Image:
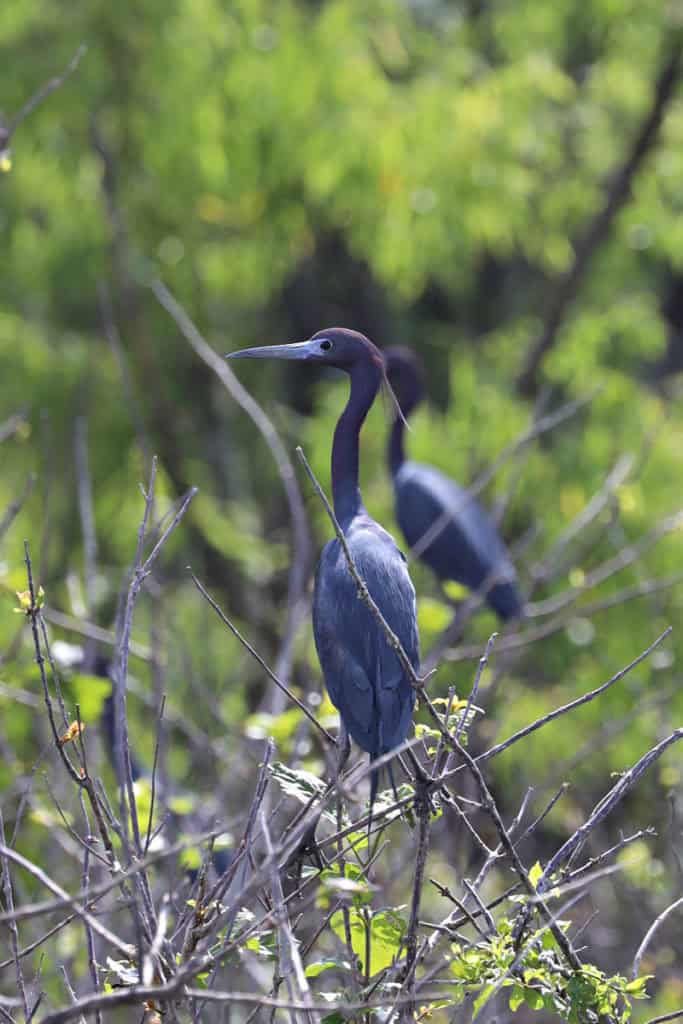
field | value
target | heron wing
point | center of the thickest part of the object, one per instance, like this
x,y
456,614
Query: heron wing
x,y
469,549
364,678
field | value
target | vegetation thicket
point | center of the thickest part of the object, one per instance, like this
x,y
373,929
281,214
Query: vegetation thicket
x,y
497,186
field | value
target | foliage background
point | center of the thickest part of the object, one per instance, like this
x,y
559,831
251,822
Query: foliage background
x,y
418,171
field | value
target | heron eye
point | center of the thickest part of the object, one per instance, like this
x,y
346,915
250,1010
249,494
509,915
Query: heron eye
x,y
326,345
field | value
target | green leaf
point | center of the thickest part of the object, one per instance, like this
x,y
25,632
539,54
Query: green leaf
x,y
263,945
317,968
90,693
432,615
182,803
282,728
533,998
535,874
516,998
358,889
637,987
387,929
300,784
191,858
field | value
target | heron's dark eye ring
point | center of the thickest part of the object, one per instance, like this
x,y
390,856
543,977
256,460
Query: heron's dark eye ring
x,y
326,345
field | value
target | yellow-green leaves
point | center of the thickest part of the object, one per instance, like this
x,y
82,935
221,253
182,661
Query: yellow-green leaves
x,y
26,607
384,929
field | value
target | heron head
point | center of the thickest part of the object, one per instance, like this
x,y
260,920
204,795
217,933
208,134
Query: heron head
x,y
334,346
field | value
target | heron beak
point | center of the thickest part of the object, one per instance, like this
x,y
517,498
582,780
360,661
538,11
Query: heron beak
x,y
297,350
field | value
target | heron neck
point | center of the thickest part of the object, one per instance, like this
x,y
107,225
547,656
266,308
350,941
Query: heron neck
x,y
365,381
395,450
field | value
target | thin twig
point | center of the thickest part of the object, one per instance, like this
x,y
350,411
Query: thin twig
x,y
291,968
65,900
490,805
650,933
665,1017
8,130
586,698
254,653
301,544
537,428
152,799
15,507
141,571
94,893
606,806
423,815
13,931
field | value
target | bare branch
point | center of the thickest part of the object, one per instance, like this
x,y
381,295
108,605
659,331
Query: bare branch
x,y
301,545
665,1017
8,129
423,814
508,846
291,967
15,507
254,653
650,934
44,879
13,931
606,806
140,572
565,708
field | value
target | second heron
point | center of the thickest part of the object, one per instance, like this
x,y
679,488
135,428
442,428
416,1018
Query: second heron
x,y
447,528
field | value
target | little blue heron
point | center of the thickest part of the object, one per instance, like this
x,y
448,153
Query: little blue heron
x,y
468,547
363,675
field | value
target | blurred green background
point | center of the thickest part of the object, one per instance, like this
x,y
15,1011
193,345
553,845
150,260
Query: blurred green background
x,y
420,171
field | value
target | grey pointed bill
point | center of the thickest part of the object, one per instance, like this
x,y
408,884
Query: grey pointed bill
x,y
299,350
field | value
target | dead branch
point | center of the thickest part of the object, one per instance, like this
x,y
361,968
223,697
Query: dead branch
x,y
8,128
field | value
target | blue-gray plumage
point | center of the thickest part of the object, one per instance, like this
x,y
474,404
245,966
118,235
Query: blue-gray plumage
x,y
468,549
364,678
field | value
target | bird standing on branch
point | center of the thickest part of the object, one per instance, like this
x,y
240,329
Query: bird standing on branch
x,y
449,530
364,677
